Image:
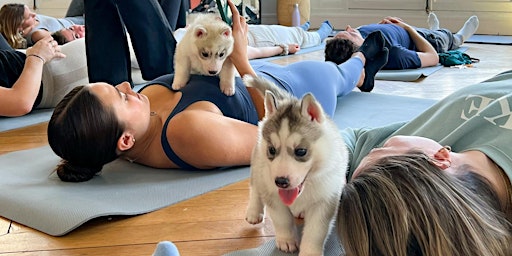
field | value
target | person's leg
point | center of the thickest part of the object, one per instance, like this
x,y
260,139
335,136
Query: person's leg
x,y
175,12
305,26
108,57
151,36
376,55
433,21
75,8
325,30
469,28
61,76
314,38
442,40
325,80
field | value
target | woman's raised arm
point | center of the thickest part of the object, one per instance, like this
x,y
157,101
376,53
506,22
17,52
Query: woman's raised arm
x,y
239,55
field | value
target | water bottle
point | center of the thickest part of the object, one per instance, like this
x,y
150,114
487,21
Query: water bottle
x,y
296,16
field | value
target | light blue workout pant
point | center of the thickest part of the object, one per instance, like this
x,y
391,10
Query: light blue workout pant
x,y
325,80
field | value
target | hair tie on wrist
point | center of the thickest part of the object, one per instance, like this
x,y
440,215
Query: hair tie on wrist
x,y
37,56
285,49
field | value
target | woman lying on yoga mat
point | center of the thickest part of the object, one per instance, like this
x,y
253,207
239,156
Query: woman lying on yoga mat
x,y
40,77
22,27
21,74
75,32
197,127
437,185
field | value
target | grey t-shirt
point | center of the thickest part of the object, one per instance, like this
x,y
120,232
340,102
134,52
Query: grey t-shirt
x,y
477,117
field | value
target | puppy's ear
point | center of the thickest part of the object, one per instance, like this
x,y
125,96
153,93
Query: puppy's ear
x,y
270,103
311,108
200,31
226,32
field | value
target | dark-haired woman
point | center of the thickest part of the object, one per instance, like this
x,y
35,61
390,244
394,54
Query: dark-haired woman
x,y
197,127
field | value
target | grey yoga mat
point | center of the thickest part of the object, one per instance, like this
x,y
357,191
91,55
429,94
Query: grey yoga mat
x,y
32,195
410,75
490,39
35,117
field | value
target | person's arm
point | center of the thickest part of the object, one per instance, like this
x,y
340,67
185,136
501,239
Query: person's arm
x,y
223,141
19,99
239,55
269,51
426,52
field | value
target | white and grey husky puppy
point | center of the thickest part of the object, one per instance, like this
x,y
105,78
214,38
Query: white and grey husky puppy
x,y
298,169
204,50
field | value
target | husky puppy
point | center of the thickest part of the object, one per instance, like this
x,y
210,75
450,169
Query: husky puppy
x,y
298,169
204,50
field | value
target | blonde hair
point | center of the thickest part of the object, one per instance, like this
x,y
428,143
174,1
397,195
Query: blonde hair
x,y
404,205
11,19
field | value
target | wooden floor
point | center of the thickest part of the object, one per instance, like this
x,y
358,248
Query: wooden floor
x,y
211,224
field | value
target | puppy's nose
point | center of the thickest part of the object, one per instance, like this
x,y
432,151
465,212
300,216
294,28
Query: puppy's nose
x,y
282,182
212,72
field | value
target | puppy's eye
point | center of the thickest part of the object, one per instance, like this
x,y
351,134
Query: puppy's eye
x,y
272,151
205,54
221,54
300,152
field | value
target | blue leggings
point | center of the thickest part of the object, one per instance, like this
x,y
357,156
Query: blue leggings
x,y
324,79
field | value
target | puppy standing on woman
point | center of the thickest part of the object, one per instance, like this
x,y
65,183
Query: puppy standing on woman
x,y
204,50
298,169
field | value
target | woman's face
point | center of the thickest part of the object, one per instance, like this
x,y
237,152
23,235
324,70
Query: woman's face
x,y
29,20
131,108
399,145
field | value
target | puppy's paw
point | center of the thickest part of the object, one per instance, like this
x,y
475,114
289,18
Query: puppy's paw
x,y
180,80
177,86
287,244
227,87
254,216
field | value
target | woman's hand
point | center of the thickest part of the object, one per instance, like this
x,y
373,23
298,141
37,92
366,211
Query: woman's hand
x,y
239,54
46,48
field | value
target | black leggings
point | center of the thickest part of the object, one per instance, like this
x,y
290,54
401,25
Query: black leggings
x,y
108,57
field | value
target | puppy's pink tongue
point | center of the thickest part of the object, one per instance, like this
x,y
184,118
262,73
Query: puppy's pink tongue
x,y
288,195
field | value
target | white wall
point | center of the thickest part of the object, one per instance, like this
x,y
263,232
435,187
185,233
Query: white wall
x,y
495,16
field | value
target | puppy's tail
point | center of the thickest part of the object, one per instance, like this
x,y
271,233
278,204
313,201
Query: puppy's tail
x,y
262,85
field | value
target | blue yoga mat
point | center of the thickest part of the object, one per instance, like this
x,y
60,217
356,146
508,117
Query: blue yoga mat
x,y
490,39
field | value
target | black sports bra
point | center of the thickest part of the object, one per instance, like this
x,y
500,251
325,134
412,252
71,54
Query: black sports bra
x,y
206,88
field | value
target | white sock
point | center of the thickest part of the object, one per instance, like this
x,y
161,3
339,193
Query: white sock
x,y
433,21
469,28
